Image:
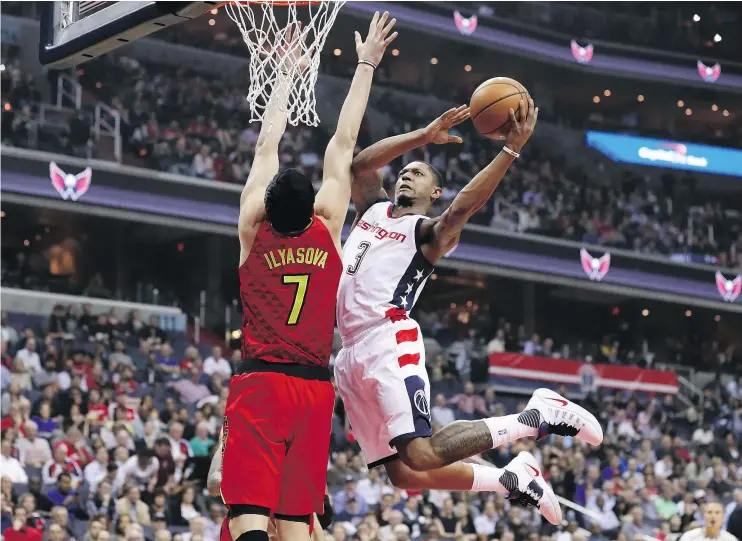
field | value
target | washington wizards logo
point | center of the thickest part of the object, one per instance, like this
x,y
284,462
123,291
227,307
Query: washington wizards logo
x,y
582,54
464,25
728,289
709,73
595,268
70,186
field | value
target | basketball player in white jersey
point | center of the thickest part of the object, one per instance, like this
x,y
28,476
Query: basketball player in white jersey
x,y
380,371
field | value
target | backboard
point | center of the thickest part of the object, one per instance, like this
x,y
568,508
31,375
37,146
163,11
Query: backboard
x,y
75,31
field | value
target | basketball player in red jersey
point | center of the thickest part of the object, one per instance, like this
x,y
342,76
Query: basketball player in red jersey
x,y
277,421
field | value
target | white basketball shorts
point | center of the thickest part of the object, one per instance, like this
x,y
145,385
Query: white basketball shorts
x,y
382,379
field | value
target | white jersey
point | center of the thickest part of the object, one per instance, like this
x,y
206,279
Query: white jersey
x,y
383,269
699,534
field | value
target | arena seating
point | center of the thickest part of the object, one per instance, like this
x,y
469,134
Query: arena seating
x,y
184,123
107,387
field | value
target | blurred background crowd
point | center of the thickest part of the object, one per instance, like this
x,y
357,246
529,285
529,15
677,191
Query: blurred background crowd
x,y
110,417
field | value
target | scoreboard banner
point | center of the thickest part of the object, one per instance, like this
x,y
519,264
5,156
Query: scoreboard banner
x,y
667,154
530,371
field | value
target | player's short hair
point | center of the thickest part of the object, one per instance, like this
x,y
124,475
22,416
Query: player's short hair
x,y
289,201
437,175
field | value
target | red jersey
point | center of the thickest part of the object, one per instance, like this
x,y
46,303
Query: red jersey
x,y
288,288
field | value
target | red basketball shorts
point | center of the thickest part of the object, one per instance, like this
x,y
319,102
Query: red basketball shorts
x,y
276,442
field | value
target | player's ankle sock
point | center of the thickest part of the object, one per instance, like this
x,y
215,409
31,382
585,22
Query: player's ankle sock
x,y
510,428
487,479
253,535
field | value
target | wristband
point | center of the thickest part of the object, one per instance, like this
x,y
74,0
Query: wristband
x,y
513,153
368,63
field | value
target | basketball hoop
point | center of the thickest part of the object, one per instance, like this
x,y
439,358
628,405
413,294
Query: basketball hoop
x,y
265,38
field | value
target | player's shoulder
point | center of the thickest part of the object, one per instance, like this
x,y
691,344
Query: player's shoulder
x,y
380,204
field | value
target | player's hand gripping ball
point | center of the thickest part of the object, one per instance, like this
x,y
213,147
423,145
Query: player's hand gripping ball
x,y
491,103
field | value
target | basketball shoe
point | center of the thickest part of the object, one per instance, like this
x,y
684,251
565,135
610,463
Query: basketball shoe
x,y
525,484
551,413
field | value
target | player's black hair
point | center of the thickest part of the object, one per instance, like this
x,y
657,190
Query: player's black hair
x,y
439,179
289,201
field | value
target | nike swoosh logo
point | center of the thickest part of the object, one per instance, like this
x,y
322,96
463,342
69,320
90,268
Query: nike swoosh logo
x,y
560,400
535,471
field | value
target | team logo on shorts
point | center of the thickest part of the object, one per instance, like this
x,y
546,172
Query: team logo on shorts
x,y
421,402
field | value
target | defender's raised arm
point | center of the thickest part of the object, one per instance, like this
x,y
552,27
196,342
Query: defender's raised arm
x,y
334,196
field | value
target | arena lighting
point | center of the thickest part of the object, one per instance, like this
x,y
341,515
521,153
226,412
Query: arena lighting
x,y
696,18
7,107
725,113
596,99
681,103
717,38
2,67
640,98
467,68
236,334
688,313
688,111
212,22
714,107
645,312
607,93
2,214
453,305
434,61
395,52
337,52
98,85
717,318
433,276
214,11
26,243
37,237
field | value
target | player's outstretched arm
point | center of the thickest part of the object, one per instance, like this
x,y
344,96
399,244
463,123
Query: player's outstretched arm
x,y
334,196
367,186
441,234
265,163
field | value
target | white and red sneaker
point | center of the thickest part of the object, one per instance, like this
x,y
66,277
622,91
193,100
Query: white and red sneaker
x,y
551,413
525,483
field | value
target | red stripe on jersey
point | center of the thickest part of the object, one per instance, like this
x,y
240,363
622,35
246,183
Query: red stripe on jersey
x,y
396,314
410,358
409,335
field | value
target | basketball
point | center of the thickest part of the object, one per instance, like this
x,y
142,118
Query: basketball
x,y
491,103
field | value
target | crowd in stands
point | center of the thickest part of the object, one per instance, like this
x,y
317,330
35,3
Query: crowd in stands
x,y
188,123
109,424
200,128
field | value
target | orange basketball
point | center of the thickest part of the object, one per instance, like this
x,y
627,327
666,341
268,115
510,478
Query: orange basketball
x,y
491,103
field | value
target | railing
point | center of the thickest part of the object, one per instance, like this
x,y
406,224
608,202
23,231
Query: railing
x,y
69,92
108,123
687,391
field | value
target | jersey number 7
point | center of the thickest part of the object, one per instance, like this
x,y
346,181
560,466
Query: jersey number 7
x,y
301,281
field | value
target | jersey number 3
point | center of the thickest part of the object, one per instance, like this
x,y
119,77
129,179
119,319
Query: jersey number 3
x,y
301,281
362,249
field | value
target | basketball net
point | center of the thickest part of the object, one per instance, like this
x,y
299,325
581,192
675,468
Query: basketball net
x,y
266,40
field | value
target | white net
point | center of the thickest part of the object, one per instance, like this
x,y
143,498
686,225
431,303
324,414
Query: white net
x,y
264,27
